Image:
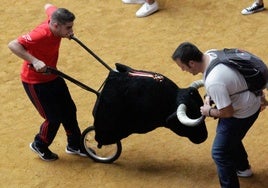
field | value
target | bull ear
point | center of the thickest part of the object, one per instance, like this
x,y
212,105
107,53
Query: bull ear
x,y
122,68
197,84
184,119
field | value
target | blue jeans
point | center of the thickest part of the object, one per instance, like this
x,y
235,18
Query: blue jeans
x,y
228,151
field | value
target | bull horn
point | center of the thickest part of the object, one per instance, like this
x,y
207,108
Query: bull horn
x,y
197,84
184,119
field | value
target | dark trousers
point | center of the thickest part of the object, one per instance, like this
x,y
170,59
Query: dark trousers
x,y
54,103
228,150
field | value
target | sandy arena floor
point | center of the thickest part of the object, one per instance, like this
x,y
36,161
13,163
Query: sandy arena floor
x,y
110,28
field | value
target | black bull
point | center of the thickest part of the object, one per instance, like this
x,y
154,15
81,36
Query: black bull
x,y
134,101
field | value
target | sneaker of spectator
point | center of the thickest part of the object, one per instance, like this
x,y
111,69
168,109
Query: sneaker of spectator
x,y
255,7
133,1
147,9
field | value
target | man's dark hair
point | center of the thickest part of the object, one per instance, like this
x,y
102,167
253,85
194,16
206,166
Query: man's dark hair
x,y
186,52
62,16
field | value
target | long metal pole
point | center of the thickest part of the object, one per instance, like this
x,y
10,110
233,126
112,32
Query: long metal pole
x,y
91,52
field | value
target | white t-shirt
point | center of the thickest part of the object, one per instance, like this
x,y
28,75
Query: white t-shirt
x,y
222,82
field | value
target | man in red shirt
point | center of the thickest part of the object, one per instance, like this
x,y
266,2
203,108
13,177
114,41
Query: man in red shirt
x,y
49,93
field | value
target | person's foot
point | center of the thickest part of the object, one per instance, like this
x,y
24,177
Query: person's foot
x,y
255,7
44,153
75,151
244,173
133,1
147,9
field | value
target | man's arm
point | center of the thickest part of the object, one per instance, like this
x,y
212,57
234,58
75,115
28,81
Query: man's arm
x,y
47,6
225,112
21,52
49,9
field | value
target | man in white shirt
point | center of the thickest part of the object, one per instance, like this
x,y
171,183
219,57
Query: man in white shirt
x,y
236,111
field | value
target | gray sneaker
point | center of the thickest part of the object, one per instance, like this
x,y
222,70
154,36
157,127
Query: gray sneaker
x,y
44,153
255,7
244,173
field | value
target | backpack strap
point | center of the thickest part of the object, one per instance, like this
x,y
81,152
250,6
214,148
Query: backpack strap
x,y
221,58
239,92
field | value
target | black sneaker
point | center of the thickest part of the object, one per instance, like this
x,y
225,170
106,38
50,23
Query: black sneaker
x,y
44,154
75,151
255,7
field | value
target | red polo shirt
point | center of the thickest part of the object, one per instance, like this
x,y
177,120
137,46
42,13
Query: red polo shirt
x,y
42,44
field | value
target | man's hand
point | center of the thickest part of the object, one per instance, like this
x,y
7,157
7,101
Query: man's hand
x,y
207,100
39,66
205,110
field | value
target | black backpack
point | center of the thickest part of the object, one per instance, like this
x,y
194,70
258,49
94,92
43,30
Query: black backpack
x,y
250,66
